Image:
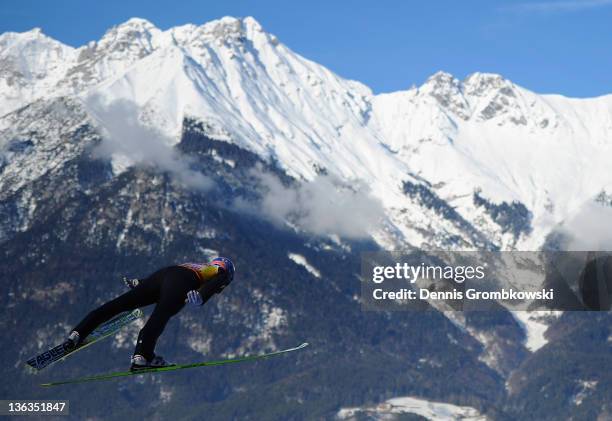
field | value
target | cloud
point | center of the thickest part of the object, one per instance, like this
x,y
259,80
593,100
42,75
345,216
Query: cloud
x,y
323,206
126,138
589,229
557,6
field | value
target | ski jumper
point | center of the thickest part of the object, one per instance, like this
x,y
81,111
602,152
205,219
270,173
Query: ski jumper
x,y
167,288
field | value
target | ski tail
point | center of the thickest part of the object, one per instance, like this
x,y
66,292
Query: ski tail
x,y
106,329
110,376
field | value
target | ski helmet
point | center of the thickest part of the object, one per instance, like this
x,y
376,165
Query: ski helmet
x,y
226,264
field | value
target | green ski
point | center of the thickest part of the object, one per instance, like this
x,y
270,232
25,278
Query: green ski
x,y
174,367
103,331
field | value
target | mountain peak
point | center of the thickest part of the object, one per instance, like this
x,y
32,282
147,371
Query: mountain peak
x,y
441,75
136,36
441,83
137,23
33,35
227,27
133,29
484,76
448,91
29,57
479,83
251,22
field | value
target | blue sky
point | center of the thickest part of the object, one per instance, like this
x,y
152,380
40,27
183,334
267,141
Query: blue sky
x,y
558,46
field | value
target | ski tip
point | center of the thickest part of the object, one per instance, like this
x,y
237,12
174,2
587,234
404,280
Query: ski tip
x,y
29,369
304,345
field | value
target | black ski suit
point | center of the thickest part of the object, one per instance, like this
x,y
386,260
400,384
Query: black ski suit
x,y
167,288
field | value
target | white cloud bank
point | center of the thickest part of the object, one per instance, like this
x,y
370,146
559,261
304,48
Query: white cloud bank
x,y
127,139
590,229
323,206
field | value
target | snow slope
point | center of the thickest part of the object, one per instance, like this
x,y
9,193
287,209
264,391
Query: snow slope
x,y
535,324
437,411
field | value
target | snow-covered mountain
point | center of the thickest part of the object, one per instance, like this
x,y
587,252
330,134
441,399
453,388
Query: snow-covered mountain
x,y
480,162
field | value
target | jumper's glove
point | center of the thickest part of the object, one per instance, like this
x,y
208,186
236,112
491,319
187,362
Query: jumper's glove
x,y
194,298
130,283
